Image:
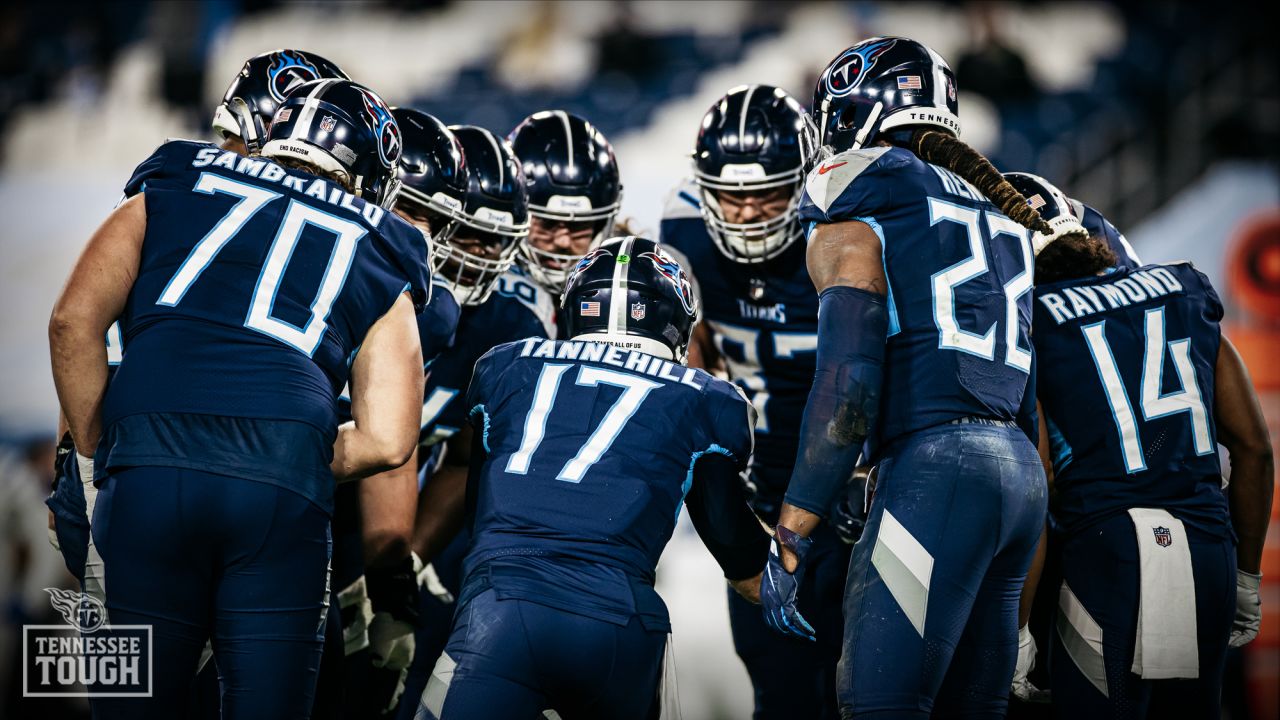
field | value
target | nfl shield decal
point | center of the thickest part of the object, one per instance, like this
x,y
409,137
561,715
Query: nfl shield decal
x,y
637,311
1164,538
328,123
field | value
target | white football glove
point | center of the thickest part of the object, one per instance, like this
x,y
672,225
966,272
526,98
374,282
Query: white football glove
x,y
1248,609
1022,687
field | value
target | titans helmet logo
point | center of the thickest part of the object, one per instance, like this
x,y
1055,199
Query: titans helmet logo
x,y
849,70
288,70
385,127
669,269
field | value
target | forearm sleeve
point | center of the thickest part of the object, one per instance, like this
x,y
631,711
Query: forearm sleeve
x,y
844,402
718,507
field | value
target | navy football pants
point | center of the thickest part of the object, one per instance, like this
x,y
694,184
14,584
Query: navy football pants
x,y
795,678
931,603
198,556
514,659
1101,567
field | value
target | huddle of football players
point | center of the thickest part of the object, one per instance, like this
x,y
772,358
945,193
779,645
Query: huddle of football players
x,y
405,417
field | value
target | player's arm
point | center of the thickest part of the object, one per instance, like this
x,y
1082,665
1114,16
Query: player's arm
x,y
441,504
387,501
1242,429
846,265
93,298
702,350
717,503
386,397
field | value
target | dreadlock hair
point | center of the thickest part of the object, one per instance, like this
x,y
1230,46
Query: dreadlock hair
x,y
1074,255
341,178
948,151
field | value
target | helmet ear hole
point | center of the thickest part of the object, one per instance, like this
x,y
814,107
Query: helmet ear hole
x,y
848,118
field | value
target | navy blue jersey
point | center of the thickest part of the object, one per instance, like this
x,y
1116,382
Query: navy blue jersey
x,y
517,309
1099,226
1126,375
255,288
437,328
764,321
589,451
959,294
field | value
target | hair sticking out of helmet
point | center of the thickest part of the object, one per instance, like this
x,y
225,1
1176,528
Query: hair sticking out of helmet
x,y
942,149
1052,204
755,141
632,294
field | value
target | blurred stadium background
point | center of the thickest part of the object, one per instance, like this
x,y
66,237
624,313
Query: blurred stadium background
x,y
1163,115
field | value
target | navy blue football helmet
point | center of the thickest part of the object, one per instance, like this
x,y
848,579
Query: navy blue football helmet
x,y
1061,212
630,293
572,177
885,85
252,98
495,213
340,128
432,172
755,138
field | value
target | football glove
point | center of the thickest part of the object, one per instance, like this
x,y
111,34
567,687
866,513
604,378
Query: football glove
x,y
1248,609
778,587
394,593
1022,687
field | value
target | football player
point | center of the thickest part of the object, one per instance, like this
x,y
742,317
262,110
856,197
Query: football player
x,y
921,254
584,452
1160,567
248,299
500,304
373,565
1063,214
245,112
736,227
574,193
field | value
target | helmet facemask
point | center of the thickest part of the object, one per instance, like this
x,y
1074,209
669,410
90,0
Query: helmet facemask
x,y
752,242
550,269
472,277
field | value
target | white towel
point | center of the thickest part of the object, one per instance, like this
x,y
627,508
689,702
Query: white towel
x,y
1166,640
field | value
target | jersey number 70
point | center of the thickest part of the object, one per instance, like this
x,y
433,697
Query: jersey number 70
x,y
296,218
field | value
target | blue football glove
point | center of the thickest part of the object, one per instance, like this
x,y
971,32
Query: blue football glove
x,y
778,587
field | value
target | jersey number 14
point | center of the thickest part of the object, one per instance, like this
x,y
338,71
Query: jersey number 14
x,y
1154,405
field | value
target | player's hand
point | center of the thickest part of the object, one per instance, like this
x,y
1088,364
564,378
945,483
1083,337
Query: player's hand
x,y
1248,609
1022,687
394,595
778,587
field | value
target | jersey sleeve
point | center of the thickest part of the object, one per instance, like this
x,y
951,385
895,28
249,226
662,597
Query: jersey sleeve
x,y
154,166
438,324
730,422
408,249
484,377
849,186
1213,308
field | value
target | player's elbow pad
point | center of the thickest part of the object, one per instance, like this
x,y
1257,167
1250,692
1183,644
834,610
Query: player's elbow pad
x,y
844,402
